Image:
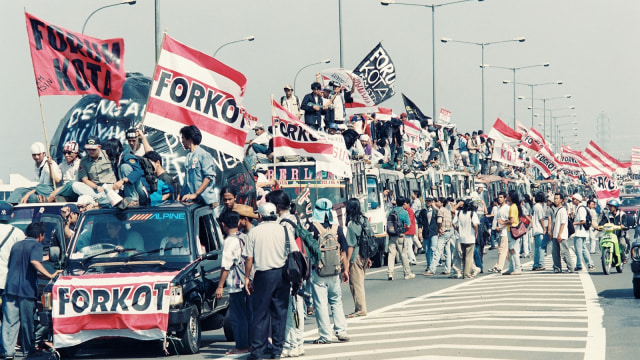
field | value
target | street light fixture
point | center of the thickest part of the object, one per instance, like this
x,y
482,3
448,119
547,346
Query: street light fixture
x,y
514,69
556,134
544,106
104,7
559,82
482,45
325,61
433,39
246,38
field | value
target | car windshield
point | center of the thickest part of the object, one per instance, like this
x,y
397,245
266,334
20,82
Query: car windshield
x,y
630,201
132,232
372,193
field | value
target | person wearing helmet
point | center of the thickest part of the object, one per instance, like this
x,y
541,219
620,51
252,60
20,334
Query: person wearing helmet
x,y
312,106
616,217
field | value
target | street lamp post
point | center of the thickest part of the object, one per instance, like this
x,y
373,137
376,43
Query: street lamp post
x,y
482,46
104,7
514,69
433,40
532,86
246,38
555,132
295,87
544,105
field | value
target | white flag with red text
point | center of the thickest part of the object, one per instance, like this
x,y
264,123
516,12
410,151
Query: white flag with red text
x,y
502,133
192,88
506,154
532,141
412,134
570,162
604,186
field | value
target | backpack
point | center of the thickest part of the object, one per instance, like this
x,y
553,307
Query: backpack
x,y
588,220
394,226
330,260
149,173
295,265
301,234
368,245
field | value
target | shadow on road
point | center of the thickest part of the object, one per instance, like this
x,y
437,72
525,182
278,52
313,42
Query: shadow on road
x,y
616,293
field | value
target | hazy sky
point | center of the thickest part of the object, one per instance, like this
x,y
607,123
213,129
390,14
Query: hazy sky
x,y
592,46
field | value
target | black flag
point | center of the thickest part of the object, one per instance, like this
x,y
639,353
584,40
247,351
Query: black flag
x,y
413,112
378,73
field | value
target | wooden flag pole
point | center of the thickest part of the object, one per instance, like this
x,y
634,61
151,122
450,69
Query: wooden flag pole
x,y
46,144
275,130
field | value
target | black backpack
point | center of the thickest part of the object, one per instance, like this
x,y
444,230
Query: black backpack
x,y
368,245
394,226
588,220
149,173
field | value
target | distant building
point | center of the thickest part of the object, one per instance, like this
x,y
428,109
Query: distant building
x,y
15,181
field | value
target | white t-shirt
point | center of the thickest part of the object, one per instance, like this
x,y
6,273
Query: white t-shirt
x,y
69,171
538,216
465,224
262,139
5,251
503,214
494,222
580,215
560,217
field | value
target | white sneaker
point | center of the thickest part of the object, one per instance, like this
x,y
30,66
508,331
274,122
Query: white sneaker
x,y
285,353
300,351
410,276
294,352
475,271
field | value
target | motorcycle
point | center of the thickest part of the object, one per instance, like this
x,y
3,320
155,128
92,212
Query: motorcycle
x,y
610,249
635,268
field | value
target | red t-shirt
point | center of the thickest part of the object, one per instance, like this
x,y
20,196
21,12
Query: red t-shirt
x,y
411,230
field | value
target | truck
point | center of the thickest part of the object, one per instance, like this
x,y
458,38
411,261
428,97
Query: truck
x,y
146,273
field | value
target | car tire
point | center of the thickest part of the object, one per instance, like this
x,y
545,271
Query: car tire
x,y
190,336
636,287
228,330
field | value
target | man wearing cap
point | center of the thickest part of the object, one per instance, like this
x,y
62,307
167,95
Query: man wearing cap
x,y
326,289
47,172
137,142
261,143
290,102
265,250
95,172
69,168
312,106
9,235
581,234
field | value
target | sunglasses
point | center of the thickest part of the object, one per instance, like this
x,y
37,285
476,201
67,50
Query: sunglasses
x,y
67,152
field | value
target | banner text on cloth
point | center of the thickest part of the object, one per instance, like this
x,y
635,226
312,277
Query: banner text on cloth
x,y
378,73
76,63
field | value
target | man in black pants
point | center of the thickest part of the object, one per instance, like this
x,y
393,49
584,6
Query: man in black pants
x,y
270,291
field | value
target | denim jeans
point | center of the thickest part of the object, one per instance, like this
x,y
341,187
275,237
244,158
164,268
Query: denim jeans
x,y
582,253
136,191
17,317
241,315
293,335
540,248
442,241
259,148
326,292
474,160
514,257
477,256
430,246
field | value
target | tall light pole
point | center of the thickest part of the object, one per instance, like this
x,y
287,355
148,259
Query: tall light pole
x,y
104,7
514,69
532,86
482,46
246,38
544,105
555,132
295,87
433,40
340,30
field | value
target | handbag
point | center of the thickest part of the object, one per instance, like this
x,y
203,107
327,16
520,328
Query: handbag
x,y
519,230
295,265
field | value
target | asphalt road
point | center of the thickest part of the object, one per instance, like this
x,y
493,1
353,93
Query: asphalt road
x,y
538,315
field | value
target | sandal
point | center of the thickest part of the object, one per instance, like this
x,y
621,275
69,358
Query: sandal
x,y
321,341
235,351
309,310
355,315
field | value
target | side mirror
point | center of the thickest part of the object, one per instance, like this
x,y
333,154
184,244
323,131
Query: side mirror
x,y
54,254
211,256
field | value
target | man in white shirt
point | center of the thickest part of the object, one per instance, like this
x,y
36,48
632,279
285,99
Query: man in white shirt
x,y
9,235
561,246
593,232
501,231
581,234
290,101
539,229
47,172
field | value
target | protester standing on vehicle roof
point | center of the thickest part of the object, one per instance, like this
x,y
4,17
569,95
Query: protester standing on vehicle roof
x,y
21,292
9,235
581,234
312,106
44,168
561,245
200,170
166,185
326,289
269,290
232,274
69,168
290,102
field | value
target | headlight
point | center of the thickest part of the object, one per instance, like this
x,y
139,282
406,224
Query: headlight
x,y
176,295
46,300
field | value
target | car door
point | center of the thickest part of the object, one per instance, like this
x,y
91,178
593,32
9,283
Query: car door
x,y
208,239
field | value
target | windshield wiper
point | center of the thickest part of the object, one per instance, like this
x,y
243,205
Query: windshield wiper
x,y
152,251
111,251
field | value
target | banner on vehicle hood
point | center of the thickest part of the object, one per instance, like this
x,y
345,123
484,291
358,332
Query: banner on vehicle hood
x,y
95,116
102,305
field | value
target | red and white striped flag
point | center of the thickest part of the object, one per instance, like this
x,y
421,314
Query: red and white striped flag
x,y
532,141
635,156
192,88
570,162
545,161
412,134
502,133
606,163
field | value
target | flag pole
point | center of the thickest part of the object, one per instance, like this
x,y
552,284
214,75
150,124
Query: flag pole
x,y
46,142
275,129
155,68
